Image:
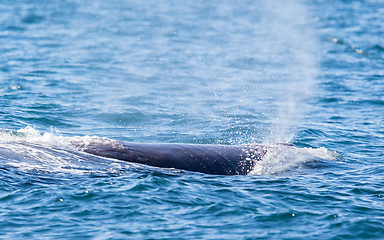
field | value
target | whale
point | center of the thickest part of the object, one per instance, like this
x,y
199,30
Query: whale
x,y
202,158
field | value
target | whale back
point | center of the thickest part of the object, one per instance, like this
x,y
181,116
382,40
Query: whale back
x,y
211,159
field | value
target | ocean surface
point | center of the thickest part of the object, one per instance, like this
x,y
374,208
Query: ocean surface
x,y
309,73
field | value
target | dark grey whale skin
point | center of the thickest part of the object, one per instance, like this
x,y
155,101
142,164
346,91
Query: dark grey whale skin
x,y
210,159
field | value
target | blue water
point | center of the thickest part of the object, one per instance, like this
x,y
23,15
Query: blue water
x,y
309,73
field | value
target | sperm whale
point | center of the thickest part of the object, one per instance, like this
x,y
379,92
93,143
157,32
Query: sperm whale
x,y
203,158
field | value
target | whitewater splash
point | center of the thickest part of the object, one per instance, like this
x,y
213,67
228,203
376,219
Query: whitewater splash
x,y
282,158
28,149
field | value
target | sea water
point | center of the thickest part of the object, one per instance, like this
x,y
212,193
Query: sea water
x,y
309,73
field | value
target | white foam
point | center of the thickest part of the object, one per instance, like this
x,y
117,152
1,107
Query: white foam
x,y
54,138
280,158
28,149
82,142
31,135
